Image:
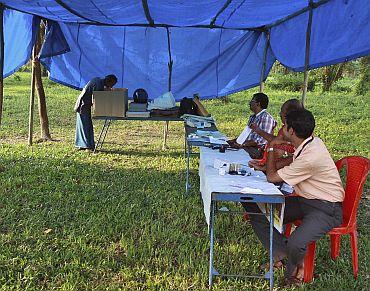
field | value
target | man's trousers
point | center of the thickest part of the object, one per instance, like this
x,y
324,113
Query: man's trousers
x,y
317,216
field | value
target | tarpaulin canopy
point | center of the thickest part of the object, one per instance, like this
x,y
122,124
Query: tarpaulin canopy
x,y
213,47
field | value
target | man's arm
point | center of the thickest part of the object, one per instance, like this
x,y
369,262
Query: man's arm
x,y
255,164
267,136
249,143
271,167
283,162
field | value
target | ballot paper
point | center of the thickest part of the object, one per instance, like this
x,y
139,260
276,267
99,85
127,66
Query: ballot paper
x,y
218,141
249,190
207,133
244,135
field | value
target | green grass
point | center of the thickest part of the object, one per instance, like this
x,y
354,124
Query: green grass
x,y
118,219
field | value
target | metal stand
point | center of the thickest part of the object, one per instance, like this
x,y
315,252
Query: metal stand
x,y
102,135
165,134
188,153
213,272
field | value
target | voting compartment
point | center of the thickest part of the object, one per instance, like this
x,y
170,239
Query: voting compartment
x,y
110,103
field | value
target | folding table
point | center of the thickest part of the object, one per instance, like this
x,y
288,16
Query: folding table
x,y
108,120
229,188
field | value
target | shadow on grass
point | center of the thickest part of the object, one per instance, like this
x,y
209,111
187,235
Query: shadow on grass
x,y
112,148
71,218
89,221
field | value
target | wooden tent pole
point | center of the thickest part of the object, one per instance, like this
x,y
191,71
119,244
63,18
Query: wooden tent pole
x,y
32,98
166,125
263,69
1,60
307,53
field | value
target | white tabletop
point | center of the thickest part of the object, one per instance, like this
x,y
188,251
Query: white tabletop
x,y
211,181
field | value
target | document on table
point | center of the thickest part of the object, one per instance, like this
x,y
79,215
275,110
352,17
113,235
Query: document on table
x,y
218,141
244,135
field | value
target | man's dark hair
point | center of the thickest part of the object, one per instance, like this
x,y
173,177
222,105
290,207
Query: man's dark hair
x,y
111,79
302,121
262,99
292,104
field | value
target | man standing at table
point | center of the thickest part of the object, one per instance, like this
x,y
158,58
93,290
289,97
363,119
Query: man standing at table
x,y
254,143
84,127
320,193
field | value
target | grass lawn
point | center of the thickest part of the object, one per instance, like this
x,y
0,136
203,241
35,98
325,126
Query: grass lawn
x,y
118,219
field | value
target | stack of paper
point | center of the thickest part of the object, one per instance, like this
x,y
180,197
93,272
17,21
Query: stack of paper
x,y
138,114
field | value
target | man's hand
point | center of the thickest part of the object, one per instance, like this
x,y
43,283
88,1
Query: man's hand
x,y
255,164
254,127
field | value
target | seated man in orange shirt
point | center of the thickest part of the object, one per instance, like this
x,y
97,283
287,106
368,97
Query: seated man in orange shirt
x,y
320,193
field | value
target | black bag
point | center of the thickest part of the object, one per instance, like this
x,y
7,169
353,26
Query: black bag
x,y
188,106
140,96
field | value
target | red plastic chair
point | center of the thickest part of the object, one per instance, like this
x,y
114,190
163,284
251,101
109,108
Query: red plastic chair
x,y
357,169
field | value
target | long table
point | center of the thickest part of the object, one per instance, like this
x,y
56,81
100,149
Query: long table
x,y
189,144
249,189
108,120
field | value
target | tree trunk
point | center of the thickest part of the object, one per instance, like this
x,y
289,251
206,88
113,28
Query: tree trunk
x,y
44,121
363,86
330,75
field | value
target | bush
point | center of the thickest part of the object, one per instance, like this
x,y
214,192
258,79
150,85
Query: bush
x,y
290,82
343,85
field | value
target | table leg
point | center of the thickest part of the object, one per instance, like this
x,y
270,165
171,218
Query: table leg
x,y
187,185
271,271
102,135
185,141
165,133
211,239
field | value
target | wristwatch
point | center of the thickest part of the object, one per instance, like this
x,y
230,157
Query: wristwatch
x,y
270,150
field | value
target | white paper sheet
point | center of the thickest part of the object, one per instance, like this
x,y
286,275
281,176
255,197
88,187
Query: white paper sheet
x,y
219,141
244,135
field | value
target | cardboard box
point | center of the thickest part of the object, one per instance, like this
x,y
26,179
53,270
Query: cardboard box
x,y
110,103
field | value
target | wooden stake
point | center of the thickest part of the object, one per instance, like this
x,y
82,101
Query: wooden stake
x,y
263,69
1,60
32,100
307,53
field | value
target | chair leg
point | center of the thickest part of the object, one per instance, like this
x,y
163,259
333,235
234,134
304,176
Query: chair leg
x,y
334,245
288,229
309,262
353,236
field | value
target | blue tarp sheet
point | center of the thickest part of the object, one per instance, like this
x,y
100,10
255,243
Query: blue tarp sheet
x,y
216,46
19,36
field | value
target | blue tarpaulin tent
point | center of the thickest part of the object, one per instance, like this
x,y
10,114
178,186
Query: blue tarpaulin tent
x,y
212,47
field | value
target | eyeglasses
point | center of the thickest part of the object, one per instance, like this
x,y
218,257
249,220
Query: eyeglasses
x,y
253,101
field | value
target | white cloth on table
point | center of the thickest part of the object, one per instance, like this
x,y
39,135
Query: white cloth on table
x,y
211,181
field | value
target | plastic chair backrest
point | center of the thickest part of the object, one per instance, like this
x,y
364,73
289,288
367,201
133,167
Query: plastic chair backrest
x,y
357,169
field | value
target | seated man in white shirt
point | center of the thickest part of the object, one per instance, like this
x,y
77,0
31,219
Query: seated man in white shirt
x,y
254,144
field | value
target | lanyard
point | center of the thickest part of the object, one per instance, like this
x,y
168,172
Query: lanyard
x,y
307,142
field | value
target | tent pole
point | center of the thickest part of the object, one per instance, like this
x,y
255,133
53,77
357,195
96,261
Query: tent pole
x,y
1,60
32,98
307,53
165,129
263,69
